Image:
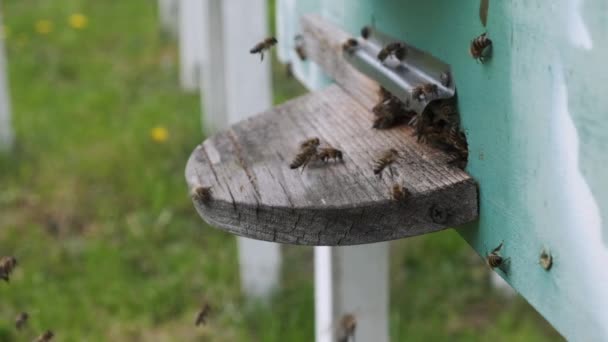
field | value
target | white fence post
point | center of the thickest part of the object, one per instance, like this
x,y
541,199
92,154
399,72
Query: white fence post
x,y
168,14
6,130
352,280
235,85
192,38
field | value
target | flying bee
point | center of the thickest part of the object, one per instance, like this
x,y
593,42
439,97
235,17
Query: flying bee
x,y
46,337
397,49
327,153
21,320
305,155
201,317
288,70
299,47
349,45
348,324
202,193
494,259
263,46
481,47
399,193
366,31
7,265
385,160
310,142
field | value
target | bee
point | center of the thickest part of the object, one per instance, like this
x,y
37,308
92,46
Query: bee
x,y
202,193
397,49
21,320
546,260
386,120
399,193
385,160
310,142
418,93
446,78
430,89
481,47
366,31
288,70
349,45
46,337
327,153
299,47
201,317
263,46
305,155
424,91
7,265
348,324
494,259
444,112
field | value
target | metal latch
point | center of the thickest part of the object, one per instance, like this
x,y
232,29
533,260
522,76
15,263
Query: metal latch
x,y
414,76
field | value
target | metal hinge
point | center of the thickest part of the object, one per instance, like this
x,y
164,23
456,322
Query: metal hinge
x,y
405,70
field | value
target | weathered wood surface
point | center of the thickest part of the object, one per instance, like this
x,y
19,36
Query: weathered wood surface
x,y
256,194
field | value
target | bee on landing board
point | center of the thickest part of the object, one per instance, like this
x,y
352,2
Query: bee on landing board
x,y
201,317
21,320
384,161
46,337
327,153
397,49
494,259
481,47
202,193
348,325
310,142
306,154
7,265
263,46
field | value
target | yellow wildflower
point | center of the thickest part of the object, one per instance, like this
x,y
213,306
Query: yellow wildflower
x,y
78,21
44,26
159,134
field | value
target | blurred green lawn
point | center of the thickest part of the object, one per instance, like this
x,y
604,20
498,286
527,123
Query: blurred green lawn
x,y
109,245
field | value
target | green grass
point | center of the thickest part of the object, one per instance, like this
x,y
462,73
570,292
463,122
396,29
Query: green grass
x,y
110,247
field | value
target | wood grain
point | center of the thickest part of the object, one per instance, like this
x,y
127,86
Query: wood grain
x,y
256,194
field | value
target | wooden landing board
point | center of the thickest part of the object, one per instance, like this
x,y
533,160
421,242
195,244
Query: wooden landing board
x,y
257,195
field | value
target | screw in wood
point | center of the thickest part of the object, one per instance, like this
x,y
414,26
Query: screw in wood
x,y
438,214
545,260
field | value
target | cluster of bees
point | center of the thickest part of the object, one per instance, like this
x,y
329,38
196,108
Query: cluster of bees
x,y
438,124
7,266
